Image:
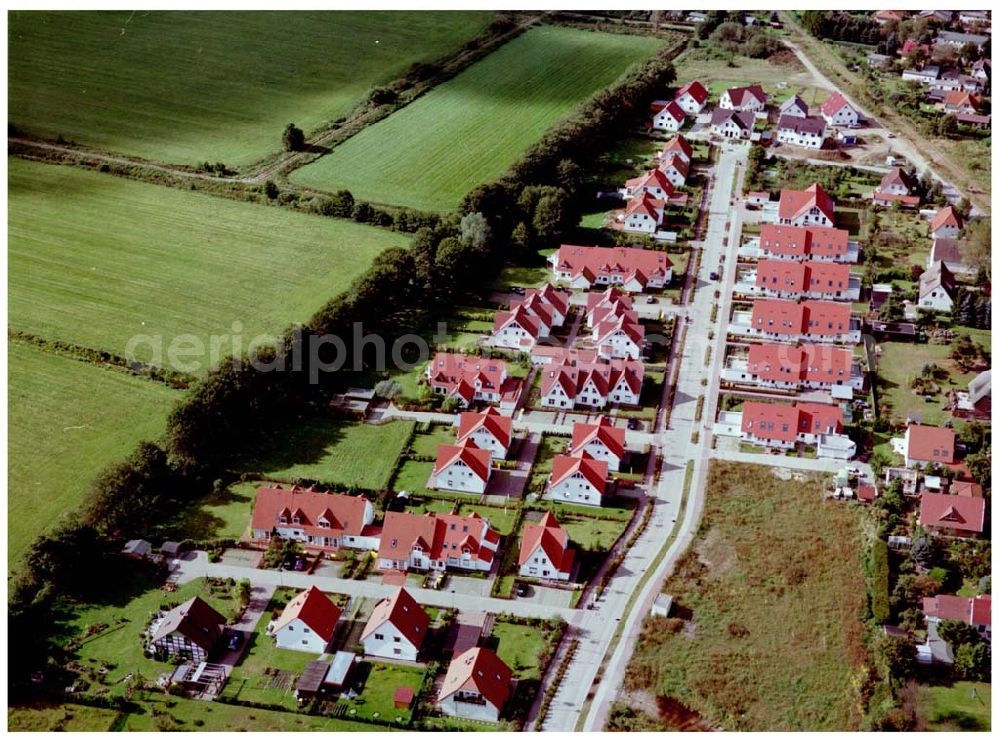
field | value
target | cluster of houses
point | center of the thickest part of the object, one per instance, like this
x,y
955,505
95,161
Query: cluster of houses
x,y
649,194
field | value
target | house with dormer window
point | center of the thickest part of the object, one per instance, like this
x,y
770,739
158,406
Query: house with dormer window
x,y
317,519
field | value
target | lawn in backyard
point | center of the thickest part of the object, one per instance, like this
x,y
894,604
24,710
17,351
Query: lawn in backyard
x,y
98,260
185,87
519,646
469,129
380,682
962,706
751,658
500,518
425,444
901,363
67,420
413,476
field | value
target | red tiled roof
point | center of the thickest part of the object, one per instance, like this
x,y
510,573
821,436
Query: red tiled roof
x,y
405,614
930,443
696,91
552,538
778,316
647,205
625,324
973,610
594,471
654,178
785,276
768,420
605,261
601,430
459,373
478,460
946,217
959,98
819,363
827,318
439,535
833,104
479,669
895,177
673,110
498,424
909,45
803,241
316,611
904,199
676,162
556,298
573,375
520,317
678,144
969,489
344,513
946,511
792,204
866,493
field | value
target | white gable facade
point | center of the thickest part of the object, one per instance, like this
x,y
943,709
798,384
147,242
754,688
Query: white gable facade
x,y
846,115
460,477
484,439
297,636
641,222
590,396
750,103
540,566
470,705
620,345
730,130
514,335
600,451
689,105
673,175
575,489
388,642
936,299
623,394
557,398
664,122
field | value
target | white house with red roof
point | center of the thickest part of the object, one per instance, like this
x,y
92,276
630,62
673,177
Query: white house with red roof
x,y
476,686
436,541
644,213
465,468
813,207
545,551
745,98
974,610
307,622
600,440
810,366
610,303
678,146
952,514
653,183
633,269
591,384
580,480
946,223
809,280
809,321
785,242
396,628
780,426
472,378
556,302
923,445
895,187
675,168
621,337
838,112
318,519
668,116
518,329
490,430
692,97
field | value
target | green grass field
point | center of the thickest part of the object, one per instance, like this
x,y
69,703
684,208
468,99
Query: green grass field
x,y
469,129
954,708
752,657
519,646
66,421
69,718
186,87
97,260
901,363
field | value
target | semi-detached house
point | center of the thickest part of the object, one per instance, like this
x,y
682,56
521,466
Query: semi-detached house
x,y
808,321
809,280
633,269
810,366
319,520
436,541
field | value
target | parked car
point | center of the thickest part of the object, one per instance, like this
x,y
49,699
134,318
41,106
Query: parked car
x,y
650,299
522,590
234,638
518,290
714,276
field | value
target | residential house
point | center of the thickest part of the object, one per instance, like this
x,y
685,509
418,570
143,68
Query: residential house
x,y
678,146
592,385
974,17
465,468
471,378
955,80
951,514
633,269
396,628
653,183
609,304
810,366
643,214
757,198
692,97
732,124
887,16
318,519
795,107
621,337
600,440
977,121
946,223
896,186
675,168
476,686
982,70
802,131
580,480
937,16
785,242
189,631
521,328
839,112
958,40
747,99
778,426
878,61
813,207
937,288
961,102
307,622
911,45
668,116
924,445
556,302
491,431
927,75
810,280
974,610
974,402
436,541
545,551
815,321
949,251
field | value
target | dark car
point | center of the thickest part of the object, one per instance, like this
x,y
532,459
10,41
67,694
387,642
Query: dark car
x,y
234,639
714,276
650,299
522,590
517,290
300,564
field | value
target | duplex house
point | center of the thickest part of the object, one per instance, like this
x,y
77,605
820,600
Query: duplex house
x,y
471,378
465,468
545,551
811,280
924,445
946,223
522,327
838,111
785,242
491,431
609,304
732,124
654,183
633,269
319,520
189,631
958,40
795,107
621,337
476,686
810,208
593,385
307,623
782,426
436,541
692,97
927,75
643,214
802,131
816,321
896,186
937,288
811,366
580,480
952,514
678,146
396,628
749,99
600,440
974,610
668,116
961,102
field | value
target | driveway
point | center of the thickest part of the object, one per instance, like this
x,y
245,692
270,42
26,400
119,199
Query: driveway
x,y
260,596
